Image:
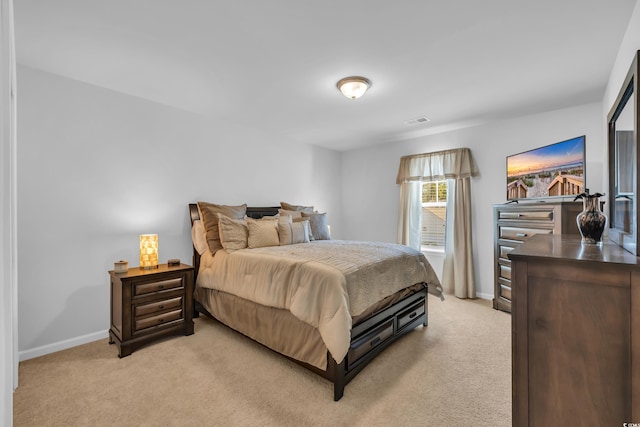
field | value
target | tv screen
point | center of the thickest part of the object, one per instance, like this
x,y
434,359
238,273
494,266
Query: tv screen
x,y
554,170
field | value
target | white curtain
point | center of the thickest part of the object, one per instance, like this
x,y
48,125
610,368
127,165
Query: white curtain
x,y
458,167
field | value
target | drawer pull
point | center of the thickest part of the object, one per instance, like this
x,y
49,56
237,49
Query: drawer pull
x,y
521,234
161,307
412,315
160,286
375,341
161,320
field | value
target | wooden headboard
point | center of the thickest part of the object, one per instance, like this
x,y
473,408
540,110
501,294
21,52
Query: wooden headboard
x,y
252,212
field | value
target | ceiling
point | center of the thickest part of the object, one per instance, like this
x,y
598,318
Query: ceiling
x,y
273,65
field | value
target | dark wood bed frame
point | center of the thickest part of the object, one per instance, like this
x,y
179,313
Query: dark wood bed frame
x,y
368,338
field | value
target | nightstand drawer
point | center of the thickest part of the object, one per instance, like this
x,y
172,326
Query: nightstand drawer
x,y
146,288
157,307
161,319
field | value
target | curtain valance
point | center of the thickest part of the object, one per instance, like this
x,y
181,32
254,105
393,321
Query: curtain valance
x,y
449,164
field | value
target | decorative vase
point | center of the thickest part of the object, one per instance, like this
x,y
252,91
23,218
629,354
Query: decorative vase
x,y
591,221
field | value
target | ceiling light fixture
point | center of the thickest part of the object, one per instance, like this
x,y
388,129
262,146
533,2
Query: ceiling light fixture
x,y
353,87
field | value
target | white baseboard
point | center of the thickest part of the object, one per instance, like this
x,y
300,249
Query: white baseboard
x,y
61,345
484,296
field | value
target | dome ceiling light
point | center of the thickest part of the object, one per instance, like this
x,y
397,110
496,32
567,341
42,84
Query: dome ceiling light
x,y
353,87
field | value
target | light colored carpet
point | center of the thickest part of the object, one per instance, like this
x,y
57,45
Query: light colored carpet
x,y
457,371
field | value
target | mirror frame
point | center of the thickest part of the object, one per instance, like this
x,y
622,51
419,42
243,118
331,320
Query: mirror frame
x,y
628,94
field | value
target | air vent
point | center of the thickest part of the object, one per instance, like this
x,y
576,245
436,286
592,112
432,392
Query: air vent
x,y
417,121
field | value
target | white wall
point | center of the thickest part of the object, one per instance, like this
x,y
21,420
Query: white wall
x,y
628,48
97,168
372,214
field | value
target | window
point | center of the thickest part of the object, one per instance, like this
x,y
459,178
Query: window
x,y
434,213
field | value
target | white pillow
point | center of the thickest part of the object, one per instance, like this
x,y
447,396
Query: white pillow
x,y
318,224
297,232
199,237
262,233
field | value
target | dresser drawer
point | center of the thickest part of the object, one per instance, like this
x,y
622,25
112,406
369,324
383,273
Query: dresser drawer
x,y
521,233
163,285
369,341
541,215
157,307
503,250
505,291
409,315
504,271
160,319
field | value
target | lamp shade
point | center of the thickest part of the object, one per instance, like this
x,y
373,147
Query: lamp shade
x,y
148,251
353,87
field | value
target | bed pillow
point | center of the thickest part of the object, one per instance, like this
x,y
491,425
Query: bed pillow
x,y
297,232
233,233
300,208
262,233
199,237
209,215
292,214
318,225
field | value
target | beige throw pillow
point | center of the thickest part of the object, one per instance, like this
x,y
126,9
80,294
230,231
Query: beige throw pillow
x,y
290,207
292,214
262,233
297,232
233,233
209,215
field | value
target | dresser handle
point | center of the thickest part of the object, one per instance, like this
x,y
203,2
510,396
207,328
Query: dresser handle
x,y
412,315
160,286
161,320
521,234
161,307
375,341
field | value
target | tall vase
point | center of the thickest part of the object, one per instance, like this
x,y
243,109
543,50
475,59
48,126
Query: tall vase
x,y
591,221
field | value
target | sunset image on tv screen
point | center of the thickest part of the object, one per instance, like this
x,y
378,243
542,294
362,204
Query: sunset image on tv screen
x,y
550,171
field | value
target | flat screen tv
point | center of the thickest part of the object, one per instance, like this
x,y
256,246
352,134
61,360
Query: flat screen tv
x,y
555,170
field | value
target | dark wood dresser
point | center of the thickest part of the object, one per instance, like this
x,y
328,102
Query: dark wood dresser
x,y
575,333
150,304
515,223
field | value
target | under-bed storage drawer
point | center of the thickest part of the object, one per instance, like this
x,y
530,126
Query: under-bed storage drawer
x,y
412,313
367,342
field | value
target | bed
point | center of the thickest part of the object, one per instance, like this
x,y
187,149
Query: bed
x,y
331,306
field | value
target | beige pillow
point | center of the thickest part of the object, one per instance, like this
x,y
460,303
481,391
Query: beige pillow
x,y
292,214
282,219
209,215
233,233
318,225
198,237
262,233
290,207
297,232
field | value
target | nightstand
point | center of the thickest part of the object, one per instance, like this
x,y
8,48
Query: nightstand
x,y
147,305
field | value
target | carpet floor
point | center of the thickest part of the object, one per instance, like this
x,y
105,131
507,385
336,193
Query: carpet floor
x,y
456,371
